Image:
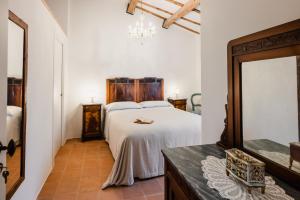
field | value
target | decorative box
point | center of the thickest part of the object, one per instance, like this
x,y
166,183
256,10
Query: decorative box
x,y
246,169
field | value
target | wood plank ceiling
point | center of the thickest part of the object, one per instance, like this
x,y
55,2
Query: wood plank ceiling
x,y
182,13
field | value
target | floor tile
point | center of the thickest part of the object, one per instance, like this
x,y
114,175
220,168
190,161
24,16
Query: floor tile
x,y
88,196
150,186
111,194
134,191
67,196
156,197
88,184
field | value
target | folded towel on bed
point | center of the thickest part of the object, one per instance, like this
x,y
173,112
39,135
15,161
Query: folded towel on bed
x,y
143,121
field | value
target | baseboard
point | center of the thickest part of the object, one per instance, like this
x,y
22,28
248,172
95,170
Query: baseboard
x,y
44,181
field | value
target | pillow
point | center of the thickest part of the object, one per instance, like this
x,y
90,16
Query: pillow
x,y
153,104
14,111
122,106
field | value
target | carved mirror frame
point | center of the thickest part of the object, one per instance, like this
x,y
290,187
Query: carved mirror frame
x,y
19,22
276,42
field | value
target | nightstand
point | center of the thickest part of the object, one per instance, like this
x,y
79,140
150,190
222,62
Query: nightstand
x,y
178,103
91,122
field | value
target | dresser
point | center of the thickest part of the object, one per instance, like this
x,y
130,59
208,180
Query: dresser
x,y
91,122
178,103
184,177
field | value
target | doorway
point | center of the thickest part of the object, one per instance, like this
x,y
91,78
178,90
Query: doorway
x,y
57,96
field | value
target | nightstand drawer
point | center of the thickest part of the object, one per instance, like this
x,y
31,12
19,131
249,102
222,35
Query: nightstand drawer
x,y
91,108
180,102
181,107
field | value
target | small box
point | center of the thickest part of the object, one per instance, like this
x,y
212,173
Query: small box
x,y
246,169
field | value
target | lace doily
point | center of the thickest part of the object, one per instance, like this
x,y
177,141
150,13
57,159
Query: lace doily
x,y
281,158
214,171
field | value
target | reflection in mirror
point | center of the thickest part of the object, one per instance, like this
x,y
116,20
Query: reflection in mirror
x,y
270,110
14,100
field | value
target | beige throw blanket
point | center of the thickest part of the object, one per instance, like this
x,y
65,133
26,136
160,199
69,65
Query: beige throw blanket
x,y
136,148
143,121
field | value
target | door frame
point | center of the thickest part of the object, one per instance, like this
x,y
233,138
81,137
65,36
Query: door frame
x,y
3,83
57,39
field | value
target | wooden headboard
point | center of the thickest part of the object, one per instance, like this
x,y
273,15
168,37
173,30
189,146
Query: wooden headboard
x,y
14,91
126,89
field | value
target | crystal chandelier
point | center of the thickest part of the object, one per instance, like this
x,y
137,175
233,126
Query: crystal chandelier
x,y
140,30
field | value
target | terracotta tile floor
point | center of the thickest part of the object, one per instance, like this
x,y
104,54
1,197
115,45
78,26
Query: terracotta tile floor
x,y
81,168
13,164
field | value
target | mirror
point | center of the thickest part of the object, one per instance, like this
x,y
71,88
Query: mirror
x,y
16,106
263,79
270,110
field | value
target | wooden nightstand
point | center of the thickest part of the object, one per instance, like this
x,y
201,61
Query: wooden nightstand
x,y
178,103
91,122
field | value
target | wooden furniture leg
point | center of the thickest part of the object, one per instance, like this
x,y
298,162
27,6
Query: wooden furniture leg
x,y
249,190
263,190
291,162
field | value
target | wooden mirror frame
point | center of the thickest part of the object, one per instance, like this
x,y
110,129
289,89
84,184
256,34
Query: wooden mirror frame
x,y
276,42
19,22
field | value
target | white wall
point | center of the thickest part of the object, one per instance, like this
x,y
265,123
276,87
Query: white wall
x,y
60,10
42,31
270,100
100,49
3,82
223,21
15,50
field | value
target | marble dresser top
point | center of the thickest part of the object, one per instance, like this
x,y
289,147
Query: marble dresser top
x,y
187,162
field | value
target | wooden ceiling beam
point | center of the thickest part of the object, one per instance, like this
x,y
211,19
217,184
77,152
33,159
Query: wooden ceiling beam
x,y
167,12
181,5
131,6
150,12
163,18
188,7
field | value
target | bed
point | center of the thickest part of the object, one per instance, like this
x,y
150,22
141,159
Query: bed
x,y
136,148
14,109
13,123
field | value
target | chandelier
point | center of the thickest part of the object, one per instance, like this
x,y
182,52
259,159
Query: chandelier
x,y
140,30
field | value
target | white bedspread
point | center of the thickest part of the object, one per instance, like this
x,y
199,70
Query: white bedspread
x,y
13,123
136,148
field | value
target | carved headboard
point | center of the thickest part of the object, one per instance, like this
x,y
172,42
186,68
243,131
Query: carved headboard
x,y
126,89
14,91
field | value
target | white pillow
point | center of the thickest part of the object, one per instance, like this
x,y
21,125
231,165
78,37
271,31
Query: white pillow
x,y
122,106
153,104
14,111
